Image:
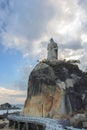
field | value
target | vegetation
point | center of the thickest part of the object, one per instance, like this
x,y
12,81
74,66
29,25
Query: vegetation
x,y
74,61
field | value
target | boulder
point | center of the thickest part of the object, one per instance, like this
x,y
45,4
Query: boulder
x,y
56,89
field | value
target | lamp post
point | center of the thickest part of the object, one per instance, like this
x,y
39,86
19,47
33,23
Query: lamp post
x,y
42,109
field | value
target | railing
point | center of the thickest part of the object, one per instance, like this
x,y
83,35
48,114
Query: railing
x,y
51,124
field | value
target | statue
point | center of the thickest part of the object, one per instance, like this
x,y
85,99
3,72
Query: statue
x,y
52,50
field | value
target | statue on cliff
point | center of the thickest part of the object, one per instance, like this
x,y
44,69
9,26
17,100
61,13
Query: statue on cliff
x,y
52,50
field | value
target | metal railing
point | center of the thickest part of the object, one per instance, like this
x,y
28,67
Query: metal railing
x,y
50,124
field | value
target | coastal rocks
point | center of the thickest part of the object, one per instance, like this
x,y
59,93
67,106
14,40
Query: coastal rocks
x,y
56,89
79,120
2,125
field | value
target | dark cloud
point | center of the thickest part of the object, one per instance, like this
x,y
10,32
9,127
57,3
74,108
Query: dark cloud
x,y
5,10
73,45
83,4
5,5
84,26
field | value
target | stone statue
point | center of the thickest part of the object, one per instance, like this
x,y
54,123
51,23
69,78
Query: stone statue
x,y
52,50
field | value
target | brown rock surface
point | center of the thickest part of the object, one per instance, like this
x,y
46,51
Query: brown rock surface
x,y
55,89
46,104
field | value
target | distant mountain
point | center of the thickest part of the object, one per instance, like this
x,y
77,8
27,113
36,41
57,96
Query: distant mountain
x,y
7,106
19,105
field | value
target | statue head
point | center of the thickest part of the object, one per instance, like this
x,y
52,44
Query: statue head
x,y
51,40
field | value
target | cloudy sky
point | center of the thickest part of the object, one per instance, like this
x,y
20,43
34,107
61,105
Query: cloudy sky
x,y
25,29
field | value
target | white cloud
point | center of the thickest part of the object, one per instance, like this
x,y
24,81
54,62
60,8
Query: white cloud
x,y
13,41
27,25
11,95
84,38
33,23
9,91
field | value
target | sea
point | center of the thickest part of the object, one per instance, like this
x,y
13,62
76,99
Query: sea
x,y
9,111
12,110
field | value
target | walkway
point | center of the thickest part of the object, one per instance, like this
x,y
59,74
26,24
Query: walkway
x,y
35,123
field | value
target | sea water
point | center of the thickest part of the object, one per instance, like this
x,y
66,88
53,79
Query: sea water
x,y
9,111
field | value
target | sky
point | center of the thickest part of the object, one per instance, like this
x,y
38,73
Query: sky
x,y
26,27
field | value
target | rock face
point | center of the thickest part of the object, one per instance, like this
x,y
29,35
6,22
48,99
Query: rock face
x,y
56,89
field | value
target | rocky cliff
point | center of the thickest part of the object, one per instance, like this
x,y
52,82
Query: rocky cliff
x,y
56,89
